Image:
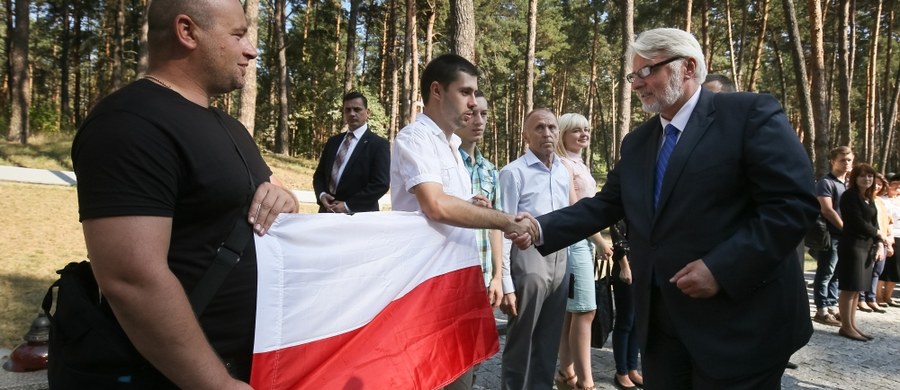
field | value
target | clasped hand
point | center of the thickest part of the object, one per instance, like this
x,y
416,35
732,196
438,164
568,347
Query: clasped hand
x,y
523,230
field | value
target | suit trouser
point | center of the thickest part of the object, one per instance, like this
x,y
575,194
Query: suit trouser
x,y
669,366
532,337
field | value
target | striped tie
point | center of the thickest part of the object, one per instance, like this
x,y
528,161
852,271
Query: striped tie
x,y
663,160
339,160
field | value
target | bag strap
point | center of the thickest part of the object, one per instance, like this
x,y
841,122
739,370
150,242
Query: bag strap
x,y
229,253
227,256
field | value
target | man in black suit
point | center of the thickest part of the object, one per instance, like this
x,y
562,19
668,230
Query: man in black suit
x,y
719,295
354,168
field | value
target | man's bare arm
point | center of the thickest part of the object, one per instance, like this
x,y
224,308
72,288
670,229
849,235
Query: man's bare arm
x,y
443,208
826,205
129,256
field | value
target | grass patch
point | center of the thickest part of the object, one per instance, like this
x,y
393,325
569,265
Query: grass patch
x,y
44,151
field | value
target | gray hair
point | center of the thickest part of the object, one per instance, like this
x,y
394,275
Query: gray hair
x,y
673,43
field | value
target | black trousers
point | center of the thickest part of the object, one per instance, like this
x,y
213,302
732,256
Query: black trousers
x,y
668,364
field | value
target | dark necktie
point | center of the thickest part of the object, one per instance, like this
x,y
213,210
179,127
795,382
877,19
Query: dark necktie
x,y
663,160
339,160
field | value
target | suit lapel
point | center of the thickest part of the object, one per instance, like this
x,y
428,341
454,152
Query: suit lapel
x,y
699,122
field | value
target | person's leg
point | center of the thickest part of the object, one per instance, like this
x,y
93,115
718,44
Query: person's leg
x,y
766,380
847,301
464,382
824,281
566,374
545,338
531,290
580,341
667,363
833,283
870,295
889,292
624,342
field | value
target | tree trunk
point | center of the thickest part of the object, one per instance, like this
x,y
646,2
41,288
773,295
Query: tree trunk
x,y
529,56
407,109
462,28
736,76
887,113
819,92
247,110
76,62
704,28
689,5
393,50
118,60
814,147
844,83
143,53
350,58
20,90
65,54
871,93
429,31
760,39
623,122
282,135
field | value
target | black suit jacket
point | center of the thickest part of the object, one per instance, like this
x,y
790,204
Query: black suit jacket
x,y
366,177
738,193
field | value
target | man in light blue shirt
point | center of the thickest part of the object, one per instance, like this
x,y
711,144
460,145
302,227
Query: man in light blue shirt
x,y
536,183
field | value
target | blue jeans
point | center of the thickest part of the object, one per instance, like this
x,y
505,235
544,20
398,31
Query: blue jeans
x,y
825,283
624,337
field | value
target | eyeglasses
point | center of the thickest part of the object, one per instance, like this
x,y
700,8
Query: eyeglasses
x,y
646,71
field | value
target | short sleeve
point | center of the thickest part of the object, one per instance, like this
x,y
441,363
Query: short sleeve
x,y
125,166
415,158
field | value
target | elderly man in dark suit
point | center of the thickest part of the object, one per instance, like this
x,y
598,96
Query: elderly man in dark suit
x,y
354,169
717,193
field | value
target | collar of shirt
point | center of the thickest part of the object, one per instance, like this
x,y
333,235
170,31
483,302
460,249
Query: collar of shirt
x,y
358,133
532,159
477,159
429,124
681,118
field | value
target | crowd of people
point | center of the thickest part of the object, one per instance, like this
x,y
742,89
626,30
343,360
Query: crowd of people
x,y
859,269
707,207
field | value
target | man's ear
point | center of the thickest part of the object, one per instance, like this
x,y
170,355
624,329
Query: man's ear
x,y
435,90
690,66
186,31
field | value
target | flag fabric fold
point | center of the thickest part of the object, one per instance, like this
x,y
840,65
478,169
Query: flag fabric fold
x,y
385,300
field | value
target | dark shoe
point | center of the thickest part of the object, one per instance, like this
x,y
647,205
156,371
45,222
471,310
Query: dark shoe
x,y
863,308
792,366
893,304
619,385
826,319
851,337
882,304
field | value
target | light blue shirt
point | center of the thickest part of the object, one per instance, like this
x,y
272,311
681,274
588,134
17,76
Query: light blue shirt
x,y
527,185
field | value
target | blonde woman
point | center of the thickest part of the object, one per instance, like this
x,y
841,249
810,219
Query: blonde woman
x,y
575,341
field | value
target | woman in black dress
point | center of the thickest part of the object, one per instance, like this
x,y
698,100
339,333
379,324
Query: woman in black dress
x,y
860,242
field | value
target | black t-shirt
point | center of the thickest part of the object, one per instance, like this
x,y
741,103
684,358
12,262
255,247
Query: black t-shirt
x,y
146,150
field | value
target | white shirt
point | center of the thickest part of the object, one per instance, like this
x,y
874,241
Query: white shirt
x,y
423,154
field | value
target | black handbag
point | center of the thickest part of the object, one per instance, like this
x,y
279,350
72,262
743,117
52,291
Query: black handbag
x,y
603,318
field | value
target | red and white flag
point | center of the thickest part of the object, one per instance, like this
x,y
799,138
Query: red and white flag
x,y
384,300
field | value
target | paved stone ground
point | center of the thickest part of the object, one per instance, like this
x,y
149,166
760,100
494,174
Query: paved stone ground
x,y
827,362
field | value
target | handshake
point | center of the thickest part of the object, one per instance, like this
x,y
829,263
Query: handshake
x,y
523,230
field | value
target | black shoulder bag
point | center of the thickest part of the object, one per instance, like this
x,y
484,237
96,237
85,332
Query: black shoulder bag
x,y
88,346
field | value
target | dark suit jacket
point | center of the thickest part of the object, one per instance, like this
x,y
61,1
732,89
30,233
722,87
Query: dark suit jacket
x,y
366,177
738,193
